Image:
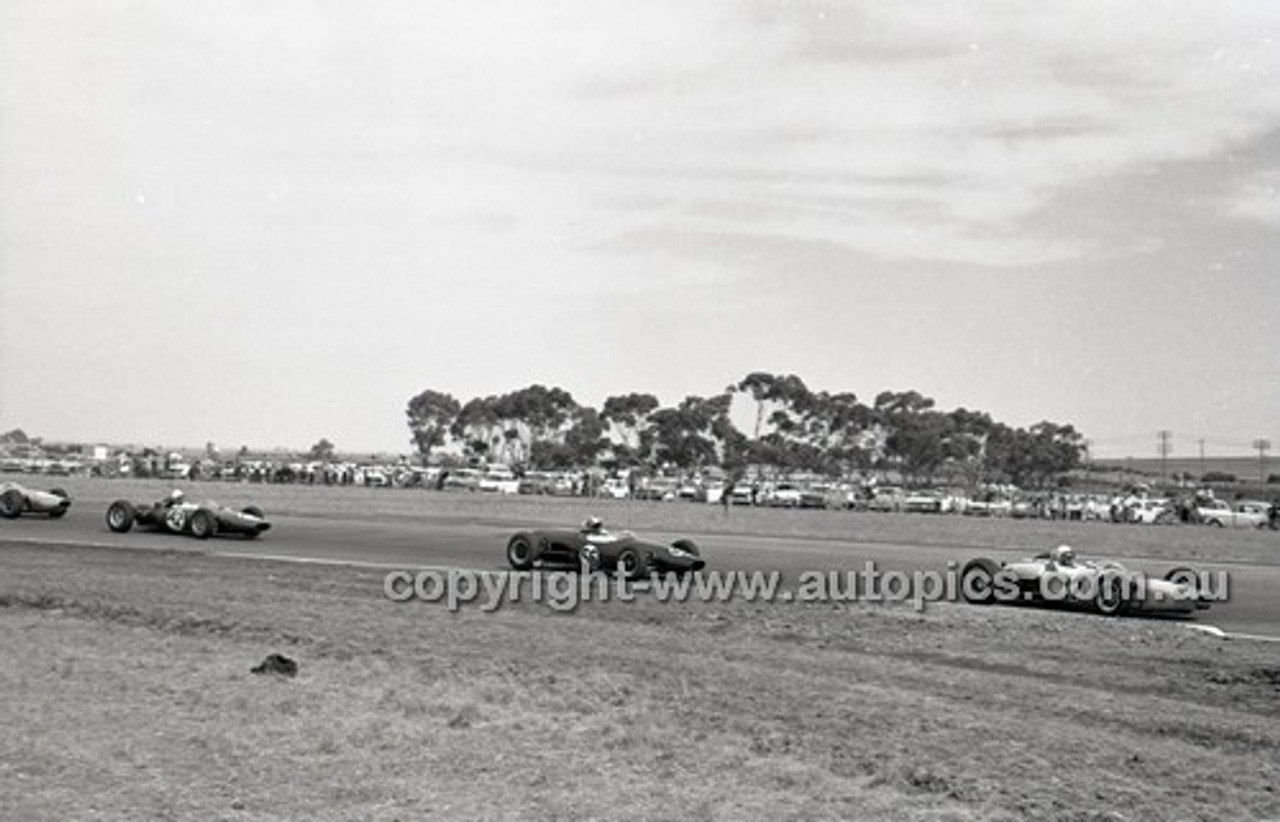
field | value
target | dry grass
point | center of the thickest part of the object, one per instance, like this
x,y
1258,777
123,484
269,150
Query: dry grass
x,y
128,696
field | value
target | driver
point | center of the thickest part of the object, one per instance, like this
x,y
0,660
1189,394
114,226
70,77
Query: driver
x,y
593,530
1063,556
175,497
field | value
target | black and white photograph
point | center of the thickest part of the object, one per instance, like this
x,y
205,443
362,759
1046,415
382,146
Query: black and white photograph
x,y
568,410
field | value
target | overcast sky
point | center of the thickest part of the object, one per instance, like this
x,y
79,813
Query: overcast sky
x,y
268,222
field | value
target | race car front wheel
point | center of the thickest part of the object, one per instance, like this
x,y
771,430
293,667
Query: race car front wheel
x,y
631,563
202,525
12,503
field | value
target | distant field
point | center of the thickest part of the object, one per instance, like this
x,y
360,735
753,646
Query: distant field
x,y
1244,468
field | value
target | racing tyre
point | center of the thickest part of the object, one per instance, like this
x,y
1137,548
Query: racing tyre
x,y
120,516
12,503
688,546
58,512
1110,599
631,563
589,558
1183,575
520,553
977,580
202,525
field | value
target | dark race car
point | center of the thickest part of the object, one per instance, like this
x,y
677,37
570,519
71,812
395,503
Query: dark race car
x,y
595,548
175,515
16,500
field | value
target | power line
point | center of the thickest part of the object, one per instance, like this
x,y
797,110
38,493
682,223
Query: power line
x,y
1263,446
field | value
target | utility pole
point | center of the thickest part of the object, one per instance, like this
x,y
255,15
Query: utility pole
x,y
1263,447
1201,459
1166,445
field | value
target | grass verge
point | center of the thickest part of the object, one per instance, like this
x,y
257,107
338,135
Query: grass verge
x,y
128,696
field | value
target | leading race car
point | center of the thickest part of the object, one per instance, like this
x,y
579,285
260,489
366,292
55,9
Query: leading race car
x,y
593,547
16,500
1106,586
175,515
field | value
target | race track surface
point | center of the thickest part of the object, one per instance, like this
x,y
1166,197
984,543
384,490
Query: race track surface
x,y
1253,607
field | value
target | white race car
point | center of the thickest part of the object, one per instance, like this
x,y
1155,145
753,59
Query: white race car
x,y
16,500
1105,586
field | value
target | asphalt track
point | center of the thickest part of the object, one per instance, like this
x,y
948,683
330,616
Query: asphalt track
x,y
1253,607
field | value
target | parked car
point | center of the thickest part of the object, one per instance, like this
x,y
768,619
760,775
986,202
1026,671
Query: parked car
x,y
887,499
461,479
1245,514
817,495
781,495
615,488
1153,512
498,479
923,502
657,488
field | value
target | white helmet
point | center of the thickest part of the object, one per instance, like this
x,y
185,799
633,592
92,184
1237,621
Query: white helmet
x,y
592,524
1063,555
176,497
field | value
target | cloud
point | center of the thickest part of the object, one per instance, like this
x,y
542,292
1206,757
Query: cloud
x,y
1258,200
875,127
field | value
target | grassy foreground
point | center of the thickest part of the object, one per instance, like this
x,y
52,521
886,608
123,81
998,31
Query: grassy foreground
x,y
127,695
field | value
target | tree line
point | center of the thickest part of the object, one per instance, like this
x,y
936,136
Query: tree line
x,y
795,429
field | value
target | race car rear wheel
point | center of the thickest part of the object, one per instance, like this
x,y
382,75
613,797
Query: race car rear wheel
x,y
11,503
1183,575
631,563
977,581
520,553
120,516
203,525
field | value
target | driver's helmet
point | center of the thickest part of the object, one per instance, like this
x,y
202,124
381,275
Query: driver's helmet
x,y
592,525
175,497
1063,555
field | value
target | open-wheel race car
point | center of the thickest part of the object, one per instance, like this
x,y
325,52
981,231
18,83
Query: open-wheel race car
x,y
175,515
1105,586
16,500
594,548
